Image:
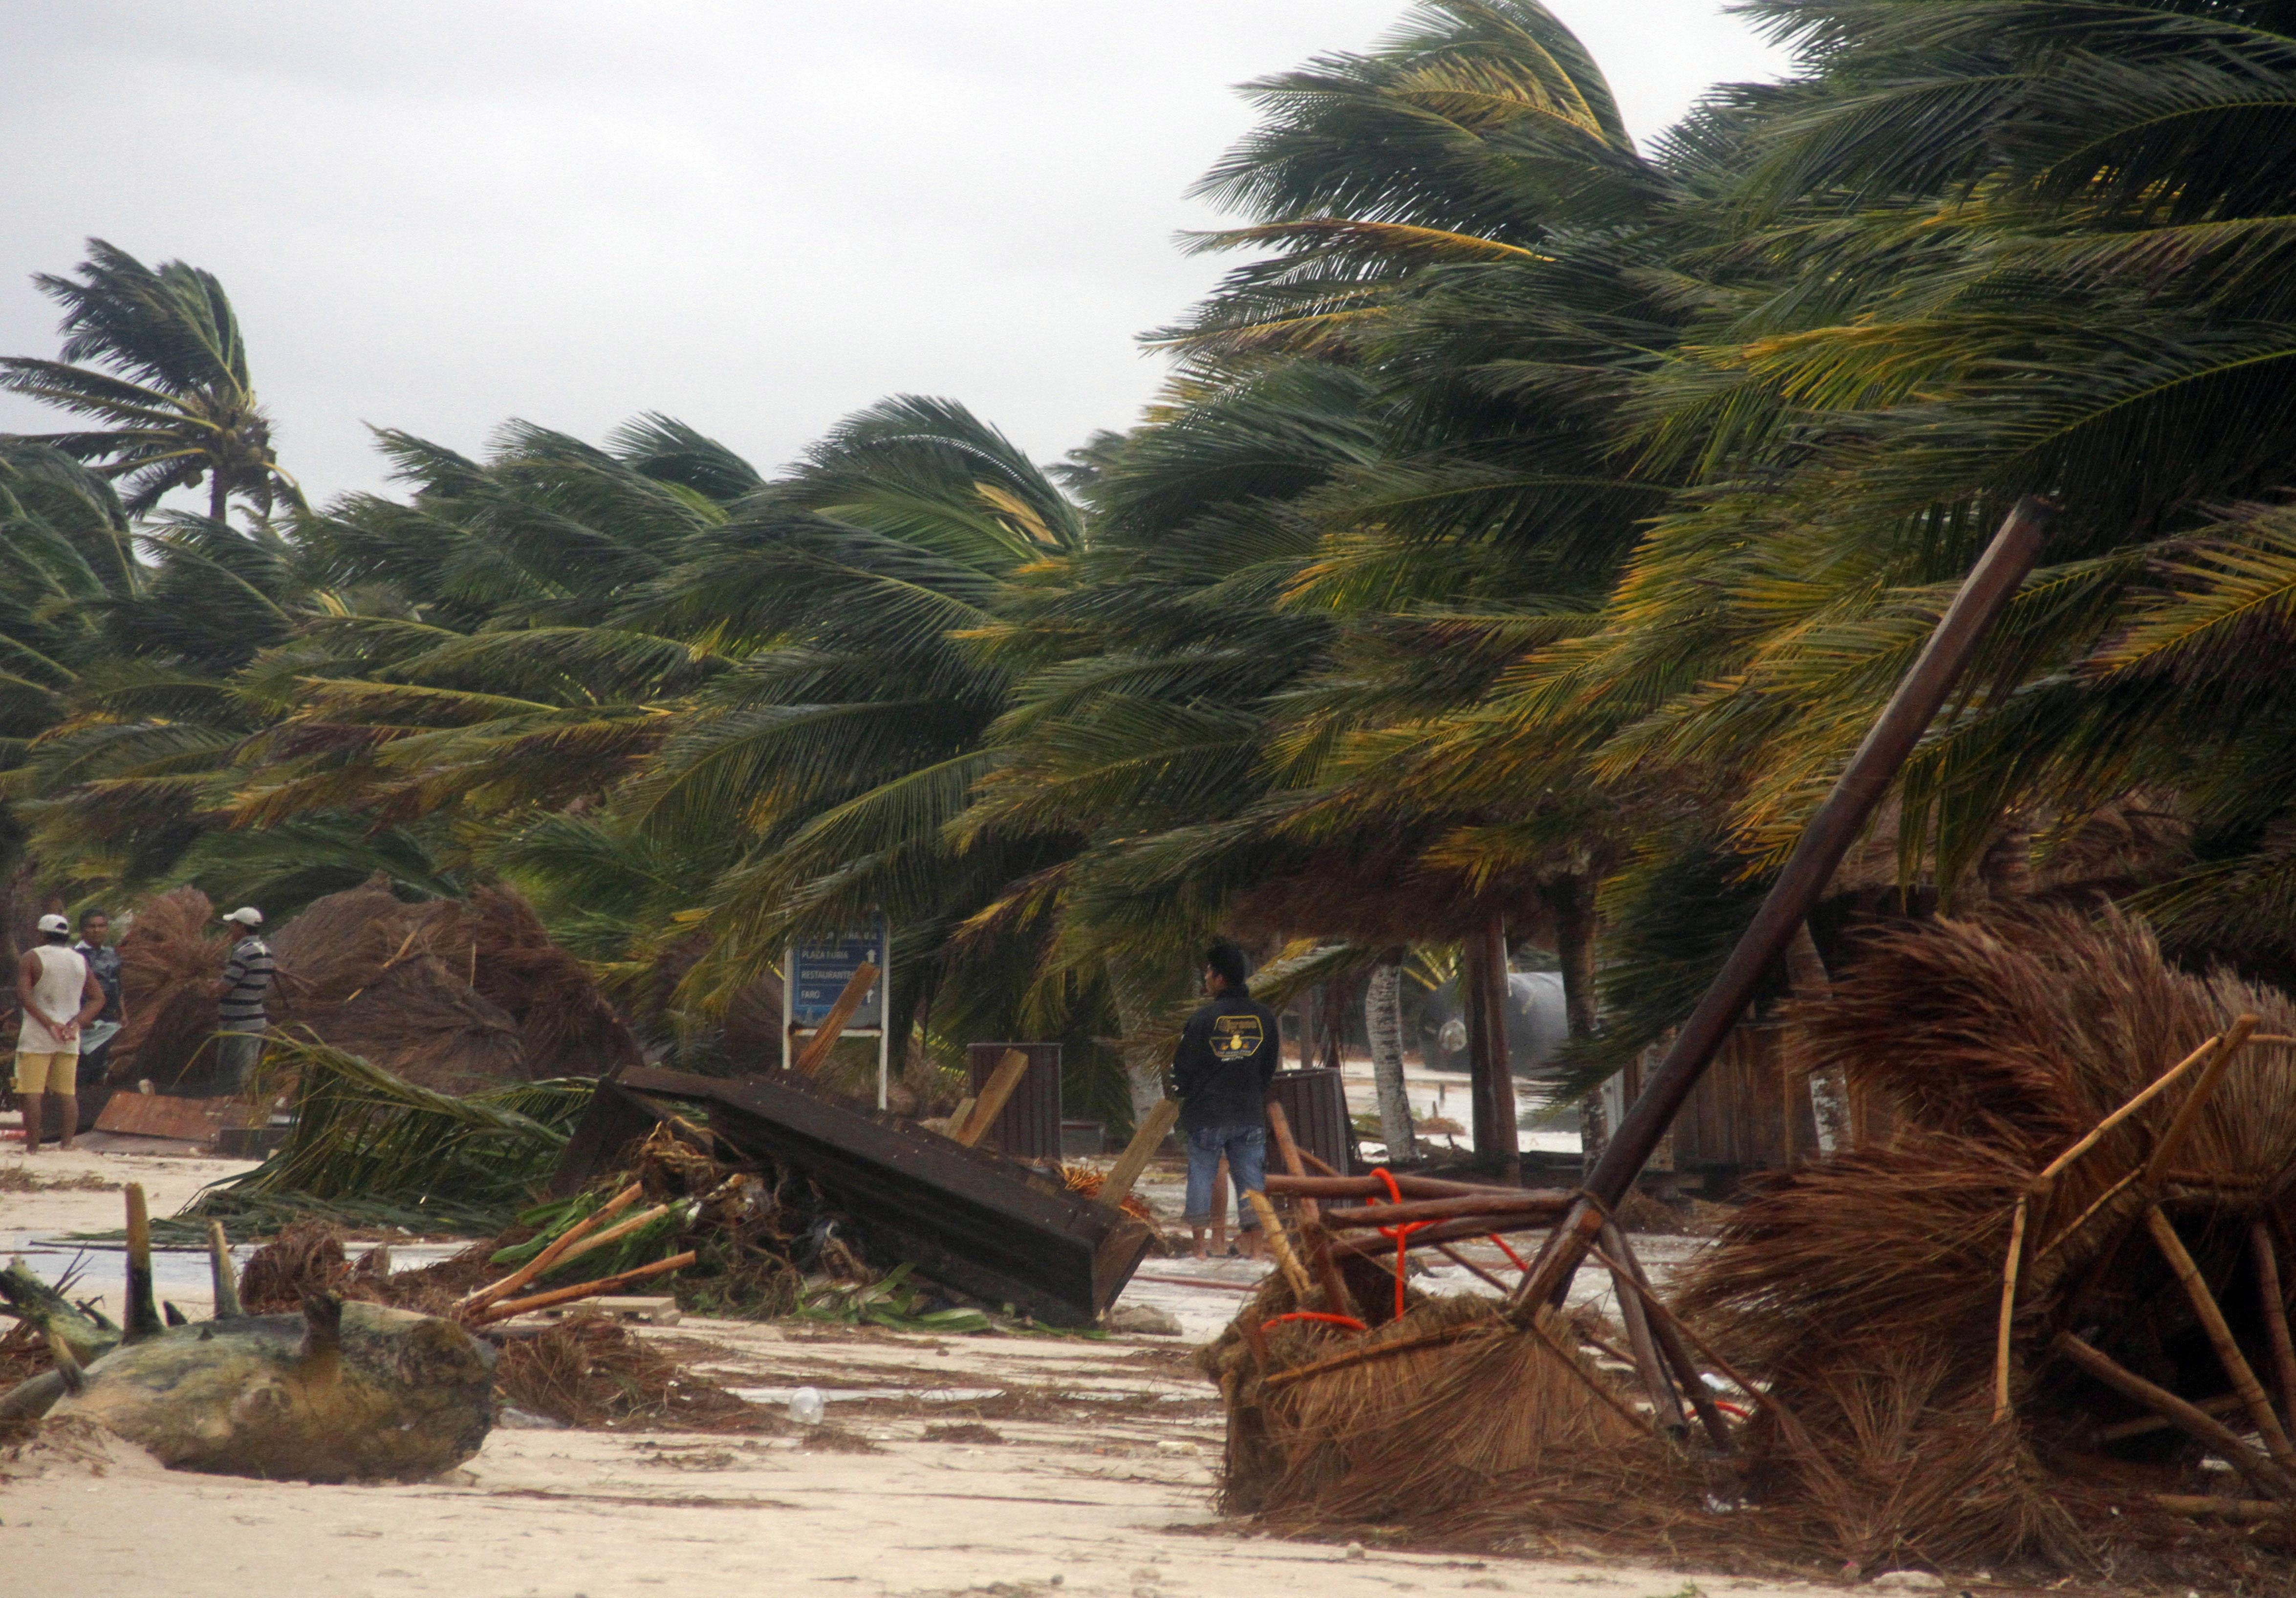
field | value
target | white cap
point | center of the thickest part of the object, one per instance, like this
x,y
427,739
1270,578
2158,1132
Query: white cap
x,y
246,915
54,923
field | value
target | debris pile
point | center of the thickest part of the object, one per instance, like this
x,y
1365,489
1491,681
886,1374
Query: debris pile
x,y
2014,1335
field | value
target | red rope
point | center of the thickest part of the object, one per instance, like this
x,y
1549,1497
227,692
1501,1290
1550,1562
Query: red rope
x,y
1349,1321
1520,1263
1400,1232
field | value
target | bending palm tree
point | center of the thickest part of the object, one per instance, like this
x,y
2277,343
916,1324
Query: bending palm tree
x,y
176,406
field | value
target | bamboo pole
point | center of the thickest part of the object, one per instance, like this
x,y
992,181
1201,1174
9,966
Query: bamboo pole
x,y
2276,1316
2229,1355
1677,1354
2151,1091
2002,1409
1145,1139
1402,1345
2185,1417
1443,1232
824,1036
550,1256
221,1276
1457,1258
1282,1184
1010,1067
1984,594
2188,1113
1336,1296
2245,1511
1494,1204
142,1312
583,1290
1666,1403
1278,1244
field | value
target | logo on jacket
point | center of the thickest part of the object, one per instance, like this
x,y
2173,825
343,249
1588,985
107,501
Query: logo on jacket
x,y
1236,1037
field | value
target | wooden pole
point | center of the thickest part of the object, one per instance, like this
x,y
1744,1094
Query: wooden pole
x,y
1282,1184
221,1276
1336,1297
2235,1364
1802,882
550,1256
2189,1418
2276,1316
1011,1068
1146,1138
583,1289
825,1037
1666,1403
2188,1113
1278,1244
1676,1351
142,1312
1511,1201
1483,969
2002,1409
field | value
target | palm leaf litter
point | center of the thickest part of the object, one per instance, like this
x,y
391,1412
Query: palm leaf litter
x,y
2036,1323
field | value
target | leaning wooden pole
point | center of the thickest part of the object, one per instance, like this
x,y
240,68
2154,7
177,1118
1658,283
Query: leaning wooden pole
x,y
1984,594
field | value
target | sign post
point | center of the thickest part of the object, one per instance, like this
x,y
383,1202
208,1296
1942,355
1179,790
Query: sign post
x,y
818,971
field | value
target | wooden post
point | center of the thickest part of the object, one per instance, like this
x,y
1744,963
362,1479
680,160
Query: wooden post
x,y
1800,884
1336,1297
1678,1352
2189,1418
1483,992
141,1314
824,1039
1145,1139
1665,1403
2235,1364
2276,1316
1010,1069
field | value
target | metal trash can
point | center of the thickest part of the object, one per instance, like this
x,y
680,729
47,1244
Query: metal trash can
x,y
1316,1103
1029,1126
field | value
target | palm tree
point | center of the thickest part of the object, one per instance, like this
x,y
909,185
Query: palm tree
x,y
155,358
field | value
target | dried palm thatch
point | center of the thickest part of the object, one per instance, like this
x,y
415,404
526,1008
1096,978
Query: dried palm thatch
x,y
451,995
1474,1406
167,962
1865,1290
588,1371
568,1027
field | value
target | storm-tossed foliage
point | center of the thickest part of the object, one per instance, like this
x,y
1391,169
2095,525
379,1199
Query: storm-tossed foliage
x,y
1529,514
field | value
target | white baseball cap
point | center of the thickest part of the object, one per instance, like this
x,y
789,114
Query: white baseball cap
x,y
246,915
54,923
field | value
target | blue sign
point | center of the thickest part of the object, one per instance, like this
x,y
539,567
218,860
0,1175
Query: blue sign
x,y
819,969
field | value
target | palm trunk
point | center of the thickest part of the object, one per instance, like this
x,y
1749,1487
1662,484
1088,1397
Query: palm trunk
x,y
1383,1020
1574,949
218,495
1135,1012
1829,1092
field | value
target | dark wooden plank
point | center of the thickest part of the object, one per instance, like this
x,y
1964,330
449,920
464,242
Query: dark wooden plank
x,y
969,1218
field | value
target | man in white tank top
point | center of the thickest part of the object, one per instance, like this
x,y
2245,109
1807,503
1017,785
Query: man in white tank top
x,y
56,994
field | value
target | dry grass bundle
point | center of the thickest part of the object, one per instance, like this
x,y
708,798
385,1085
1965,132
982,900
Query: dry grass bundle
x,y
589,1370
1474,1400
1864,1289
568,1027
167,962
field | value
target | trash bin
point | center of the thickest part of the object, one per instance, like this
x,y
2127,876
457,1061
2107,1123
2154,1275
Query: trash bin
x,y
1029,1126
1316,1103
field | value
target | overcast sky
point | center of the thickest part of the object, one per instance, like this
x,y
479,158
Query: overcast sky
x,y
757,216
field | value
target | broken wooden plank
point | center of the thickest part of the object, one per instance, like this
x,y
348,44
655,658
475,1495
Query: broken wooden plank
x,y
1009,1072
1154,1128
825,1037
966,1217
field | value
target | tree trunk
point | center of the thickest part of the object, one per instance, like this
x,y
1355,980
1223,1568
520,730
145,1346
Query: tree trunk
x,y
1482,985
1829,1093
1135,1012
218,495
1383,1020
1582,1009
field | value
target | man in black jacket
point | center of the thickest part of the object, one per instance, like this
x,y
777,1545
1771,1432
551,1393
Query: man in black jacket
x,y
1221,1071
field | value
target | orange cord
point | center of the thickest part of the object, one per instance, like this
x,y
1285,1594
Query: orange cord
x,y
1349,1321
1520,1263
1402,1233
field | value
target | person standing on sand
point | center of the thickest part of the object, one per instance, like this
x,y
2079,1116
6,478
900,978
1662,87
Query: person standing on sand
x,y
1221,1073
95,947
57,995
243,989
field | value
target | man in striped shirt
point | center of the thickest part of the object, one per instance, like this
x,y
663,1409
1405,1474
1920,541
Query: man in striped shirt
x,y
245,984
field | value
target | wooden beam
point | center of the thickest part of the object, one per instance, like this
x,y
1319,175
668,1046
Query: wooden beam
x,y
1010,1067
1146,1138
2188,1418
1800,885
824,1036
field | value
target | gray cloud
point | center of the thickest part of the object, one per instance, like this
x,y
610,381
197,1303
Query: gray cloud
x,y
757,216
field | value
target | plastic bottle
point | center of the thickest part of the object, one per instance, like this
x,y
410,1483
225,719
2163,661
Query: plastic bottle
x,y
806,1407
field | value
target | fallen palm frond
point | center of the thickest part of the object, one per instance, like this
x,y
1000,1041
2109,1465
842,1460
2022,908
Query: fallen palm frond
x,y
363,1135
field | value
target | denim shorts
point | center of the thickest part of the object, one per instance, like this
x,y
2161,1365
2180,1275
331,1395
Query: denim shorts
x,y
1246,1148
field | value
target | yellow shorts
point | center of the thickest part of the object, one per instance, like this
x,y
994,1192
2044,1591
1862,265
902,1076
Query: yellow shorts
x,y
47,1073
